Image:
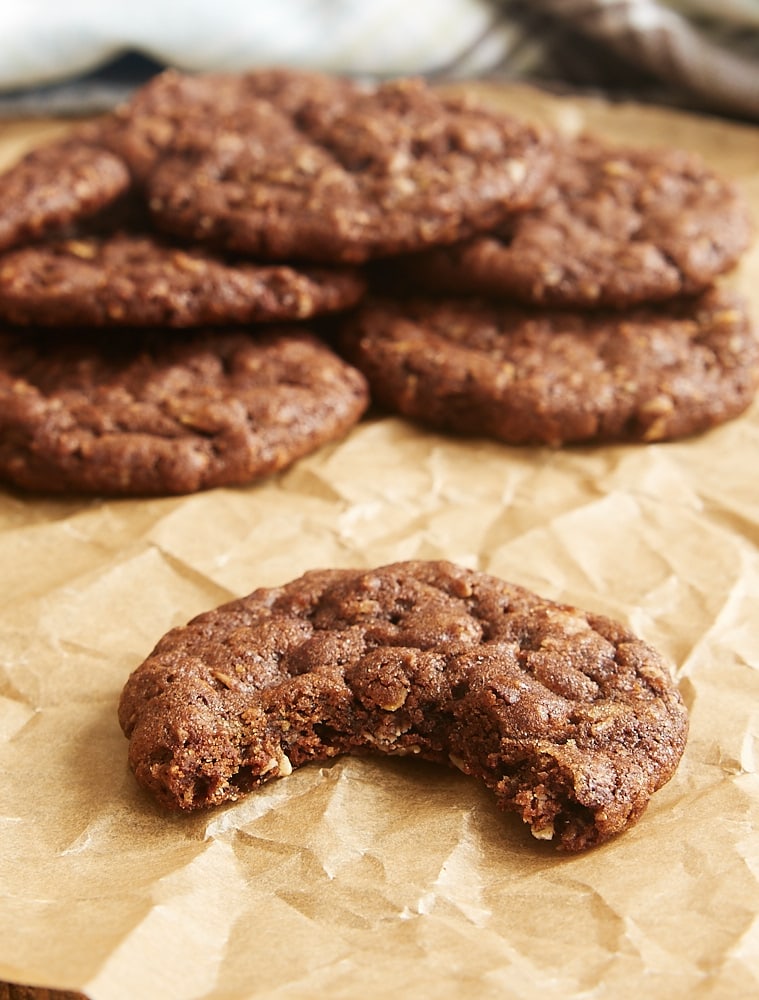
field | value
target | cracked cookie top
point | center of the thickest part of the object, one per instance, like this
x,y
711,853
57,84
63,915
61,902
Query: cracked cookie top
x,y
139,412
131,279
530,376
569,718
616,227
280,163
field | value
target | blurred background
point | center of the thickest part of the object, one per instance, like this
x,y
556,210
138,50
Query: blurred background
x,y
85,55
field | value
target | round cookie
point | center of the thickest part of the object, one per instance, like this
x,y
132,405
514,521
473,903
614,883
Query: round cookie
x,y
570,719
549,377
137,280
618,227
55,185
178,111
142,413
308,167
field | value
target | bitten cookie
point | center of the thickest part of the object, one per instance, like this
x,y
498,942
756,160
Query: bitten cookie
x,y
566,716
137,280
56,185
539,377
145,413
616,228
289,165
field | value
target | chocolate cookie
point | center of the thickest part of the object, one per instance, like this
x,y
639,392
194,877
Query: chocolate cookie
x,y
56,185
618,227
180,111
15,991
527,376
141,413
130,280
303,166
569,718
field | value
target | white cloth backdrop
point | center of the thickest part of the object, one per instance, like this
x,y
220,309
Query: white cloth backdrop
x,y
707,48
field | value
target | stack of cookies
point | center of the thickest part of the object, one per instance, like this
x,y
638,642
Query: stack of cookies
x,y
162,269
591,316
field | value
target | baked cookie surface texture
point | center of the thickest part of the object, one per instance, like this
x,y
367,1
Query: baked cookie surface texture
x,y
529,376
616,227
129,279
282,164
56,185
567,717
141,413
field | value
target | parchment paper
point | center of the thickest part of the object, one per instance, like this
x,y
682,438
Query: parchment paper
x,y
379,878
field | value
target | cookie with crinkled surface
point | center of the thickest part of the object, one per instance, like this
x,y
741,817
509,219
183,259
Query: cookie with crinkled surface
x,y
284,164
530,376
141,412
178,111
138,280
571,720
56,185
616,227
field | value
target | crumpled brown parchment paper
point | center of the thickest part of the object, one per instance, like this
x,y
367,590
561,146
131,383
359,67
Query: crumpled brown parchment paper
x,y
376,878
